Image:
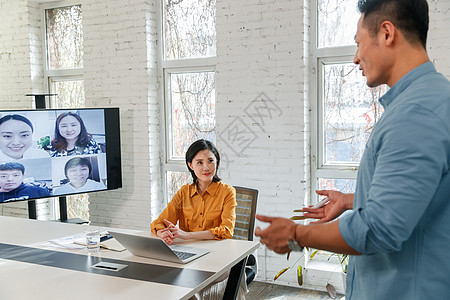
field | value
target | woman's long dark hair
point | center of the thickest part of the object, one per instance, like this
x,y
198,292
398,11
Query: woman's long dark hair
x,y
59,142
195,148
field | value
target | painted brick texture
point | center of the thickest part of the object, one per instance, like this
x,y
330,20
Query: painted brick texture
x,y
118,35
262,95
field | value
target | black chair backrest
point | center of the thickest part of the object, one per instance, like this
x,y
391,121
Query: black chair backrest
x,y
246,199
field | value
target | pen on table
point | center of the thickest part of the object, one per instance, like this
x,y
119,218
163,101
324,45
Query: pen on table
x,y
111,249
101,246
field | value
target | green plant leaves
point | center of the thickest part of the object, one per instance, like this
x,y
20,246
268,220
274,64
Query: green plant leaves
x,y
312,254
343,259
294,218
300,275
280,273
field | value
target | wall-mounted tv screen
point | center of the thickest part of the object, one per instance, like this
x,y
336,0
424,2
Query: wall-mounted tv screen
x,y
58,152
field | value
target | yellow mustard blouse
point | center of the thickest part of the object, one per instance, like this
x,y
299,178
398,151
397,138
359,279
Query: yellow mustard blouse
x,y
214,211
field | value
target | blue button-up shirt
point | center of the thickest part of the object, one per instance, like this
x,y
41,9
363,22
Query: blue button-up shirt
x,y
401,212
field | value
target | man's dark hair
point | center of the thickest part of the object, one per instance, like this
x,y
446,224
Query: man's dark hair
x,y
409,16
195,148
12,166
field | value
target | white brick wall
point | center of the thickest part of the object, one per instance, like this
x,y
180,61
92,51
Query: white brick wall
x,y
21,70
15,74
439,35
120,69
260,49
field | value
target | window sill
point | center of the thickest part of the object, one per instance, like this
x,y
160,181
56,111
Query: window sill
x,y
318,274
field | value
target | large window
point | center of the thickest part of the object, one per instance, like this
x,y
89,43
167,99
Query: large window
x,y
189,50
64,73
344,109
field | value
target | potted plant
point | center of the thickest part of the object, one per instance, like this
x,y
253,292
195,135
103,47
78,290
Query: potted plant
x,y
343,260
44,143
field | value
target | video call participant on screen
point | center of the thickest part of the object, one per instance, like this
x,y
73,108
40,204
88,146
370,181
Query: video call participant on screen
x,y
12,186
77,171
204,210
16,133
71,137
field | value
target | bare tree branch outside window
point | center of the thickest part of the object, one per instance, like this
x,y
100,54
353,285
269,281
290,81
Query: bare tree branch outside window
x,y
70,93
342,185
351,109
64,38
337,22
189,33
175,181
193,110
189,28
65,51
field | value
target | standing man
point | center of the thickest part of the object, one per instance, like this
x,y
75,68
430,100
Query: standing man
x,y
399,228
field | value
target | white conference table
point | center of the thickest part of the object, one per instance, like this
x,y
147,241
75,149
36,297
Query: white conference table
x,y
28,270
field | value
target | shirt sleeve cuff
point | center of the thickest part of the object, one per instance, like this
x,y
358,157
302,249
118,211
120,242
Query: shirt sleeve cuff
x,y
353,230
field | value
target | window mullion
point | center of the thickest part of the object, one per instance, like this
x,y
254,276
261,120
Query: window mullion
x,y
187,64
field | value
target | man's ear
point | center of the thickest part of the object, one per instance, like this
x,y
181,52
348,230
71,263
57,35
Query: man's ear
x,y
389,32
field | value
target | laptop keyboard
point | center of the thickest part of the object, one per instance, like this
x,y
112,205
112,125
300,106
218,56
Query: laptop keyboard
x,y
183,255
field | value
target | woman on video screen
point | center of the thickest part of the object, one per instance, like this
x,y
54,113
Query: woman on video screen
x,y
16,133
77,171
72,138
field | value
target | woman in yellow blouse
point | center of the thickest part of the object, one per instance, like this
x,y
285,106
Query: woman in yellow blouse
x,y
204,209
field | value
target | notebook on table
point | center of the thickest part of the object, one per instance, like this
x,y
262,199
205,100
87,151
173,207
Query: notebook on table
x,y
156,248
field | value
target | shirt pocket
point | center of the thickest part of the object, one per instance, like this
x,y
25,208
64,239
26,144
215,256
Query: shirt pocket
x,y
213,219
368,159
187,220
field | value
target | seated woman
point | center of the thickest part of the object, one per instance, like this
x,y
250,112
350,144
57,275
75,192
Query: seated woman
x,y
77,171
71,137
204,209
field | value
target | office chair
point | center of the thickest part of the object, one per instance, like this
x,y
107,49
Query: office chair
x,y
246,199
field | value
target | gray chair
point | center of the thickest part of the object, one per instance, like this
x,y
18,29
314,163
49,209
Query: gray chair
x,y
246,199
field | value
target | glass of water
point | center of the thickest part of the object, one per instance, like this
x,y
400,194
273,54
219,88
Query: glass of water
x,y
92,239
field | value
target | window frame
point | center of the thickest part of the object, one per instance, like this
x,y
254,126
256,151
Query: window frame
x,y
321,266
321,57
57,75
167,68
168,101
51,76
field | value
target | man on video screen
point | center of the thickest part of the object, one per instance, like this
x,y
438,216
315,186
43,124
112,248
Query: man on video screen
x,y
12,186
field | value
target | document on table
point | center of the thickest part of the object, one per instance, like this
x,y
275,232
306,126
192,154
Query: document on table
x,y
77,242
66,242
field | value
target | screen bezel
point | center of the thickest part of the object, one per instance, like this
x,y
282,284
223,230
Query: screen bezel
x,y
112,145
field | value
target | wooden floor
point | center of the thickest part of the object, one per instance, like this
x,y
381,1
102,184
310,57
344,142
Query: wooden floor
x,y
260,290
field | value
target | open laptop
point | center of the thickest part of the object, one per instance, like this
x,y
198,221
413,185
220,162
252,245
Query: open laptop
x,y
157,249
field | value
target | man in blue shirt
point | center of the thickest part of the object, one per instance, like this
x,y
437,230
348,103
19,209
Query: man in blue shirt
x,y
398,229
